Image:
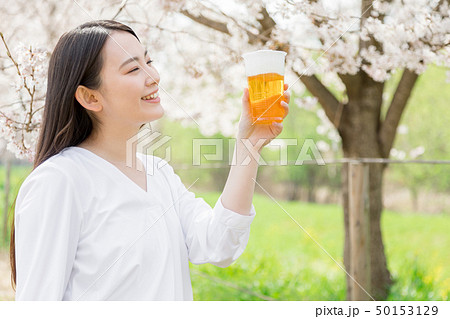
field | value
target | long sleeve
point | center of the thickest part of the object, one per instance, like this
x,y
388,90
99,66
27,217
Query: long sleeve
x,y
48,219
213,235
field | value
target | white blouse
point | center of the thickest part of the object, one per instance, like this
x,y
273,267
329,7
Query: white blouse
x,y
85,231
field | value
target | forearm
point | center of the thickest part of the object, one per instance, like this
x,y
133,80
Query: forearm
x,y
239,188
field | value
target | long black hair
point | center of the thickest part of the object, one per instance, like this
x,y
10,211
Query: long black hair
x,y
76,60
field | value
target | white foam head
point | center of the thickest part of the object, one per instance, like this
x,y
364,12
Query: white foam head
x,y
264,61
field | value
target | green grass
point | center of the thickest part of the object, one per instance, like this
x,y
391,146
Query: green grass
x,y
282,262
18,175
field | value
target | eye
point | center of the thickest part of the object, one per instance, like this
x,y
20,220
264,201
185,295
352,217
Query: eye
x,y
148,62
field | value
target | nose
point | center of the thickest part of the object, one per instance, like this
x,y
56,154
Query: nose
x,y
152,76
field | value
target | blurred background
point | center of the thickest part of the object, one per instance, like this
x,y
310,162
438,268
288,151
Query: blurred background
x,y
196,46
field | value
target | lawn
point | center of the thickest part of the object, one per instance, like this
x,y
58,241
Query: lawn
x,y
283,262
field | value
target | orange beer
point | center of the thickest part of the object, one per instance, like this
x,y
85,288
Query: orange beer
x,y
266,93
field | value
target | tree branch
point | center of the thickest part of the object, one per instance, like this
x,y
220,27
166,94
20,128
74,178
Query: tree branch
x,y
267,24
389,126
352,83
219,26
156,26
122,6
329,102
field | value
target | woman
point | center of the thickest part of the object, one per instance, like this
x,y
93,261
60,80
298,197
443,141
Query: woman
x,y
90,227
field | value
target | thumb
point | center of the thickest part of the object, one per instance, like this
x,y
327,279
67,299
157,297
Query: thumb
x,y
245,101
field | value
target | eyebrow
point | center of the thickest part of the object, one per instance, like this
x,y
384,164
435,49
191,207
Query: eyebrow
x,y
132,59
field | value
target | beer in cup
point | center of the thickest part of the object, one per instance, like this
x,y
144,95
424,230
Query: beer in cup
x,y
265,74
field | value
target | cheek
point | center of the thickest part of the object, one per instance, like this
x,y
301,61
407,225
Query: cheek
x,y
124,90
122,94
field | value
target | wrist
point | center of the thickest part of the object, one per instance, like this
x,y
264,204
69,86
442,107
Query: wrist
x,y
250,144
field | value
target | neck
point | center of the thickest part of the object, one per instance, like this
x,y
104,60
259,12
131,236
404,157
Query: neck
x,y
111,144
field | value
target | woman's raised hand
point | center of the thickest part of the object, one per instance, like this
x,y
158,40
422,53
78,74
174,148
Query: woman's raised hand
x,y
255,132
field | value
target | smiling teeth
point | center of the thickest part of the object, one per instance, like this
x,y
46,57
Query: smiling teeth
x,y
151,96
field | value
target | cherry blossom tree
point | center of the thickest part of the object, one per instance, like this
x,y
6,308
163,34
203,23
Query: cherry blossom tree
x,y
359,43
339,52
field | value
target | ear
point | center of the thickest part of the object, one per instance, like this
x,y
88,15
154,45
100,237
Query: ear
x,y
88,98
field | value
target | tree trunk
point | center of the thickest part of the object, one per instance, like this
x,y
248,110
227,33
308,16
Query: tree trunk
x,y
381,278
311,185
293,190
359,131
363,132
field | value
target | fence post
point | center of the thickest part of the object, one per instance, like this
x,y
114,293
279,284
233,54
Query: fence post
x,y
359,220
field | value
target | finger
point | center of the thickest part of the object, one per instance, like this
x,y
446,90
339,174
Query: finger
x,y
276,128
246,101
286,108
245,96
287,96
286,86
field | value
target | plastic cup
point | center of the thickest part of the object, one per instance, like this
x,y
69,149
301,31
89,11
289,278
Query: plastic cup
x,y
265,75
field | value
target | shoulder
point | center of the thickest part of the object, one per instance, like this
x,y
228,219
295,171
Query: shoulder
x,y
49,170
56,174
63,165
49,190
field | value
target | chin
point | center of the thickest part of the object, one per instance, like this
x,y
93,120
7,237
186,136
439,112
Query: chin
x,y
161,113
156,115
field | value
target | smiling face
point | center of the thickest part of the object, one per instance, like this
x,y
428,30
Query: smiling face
x,y
127,76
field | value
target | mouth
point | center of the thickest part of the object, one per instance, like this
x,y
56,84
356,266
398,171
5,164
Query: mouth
x,y
151,97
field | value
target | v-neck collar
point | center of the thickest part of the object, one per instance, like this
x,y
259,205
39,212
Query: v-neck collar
x,y
117,171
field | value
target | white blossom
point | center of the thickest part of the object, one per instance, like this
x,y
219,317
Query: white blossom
x,y
308,103
323,146
416,152
202,73
402,129
397,154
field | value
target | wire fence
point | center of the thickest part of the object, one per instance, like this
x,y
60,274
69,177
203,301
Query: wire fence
x,y
325,162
